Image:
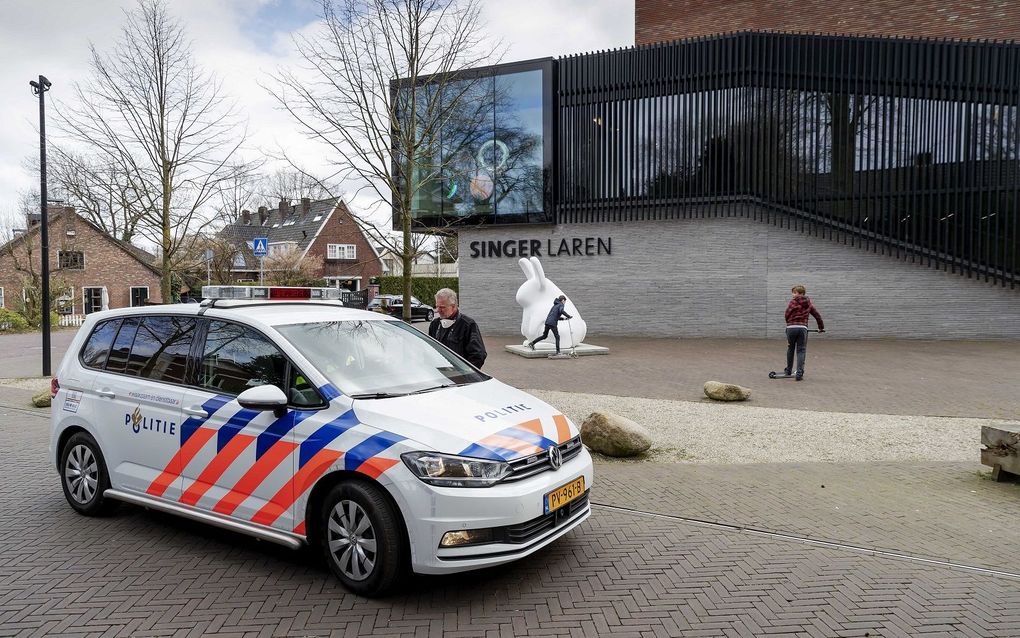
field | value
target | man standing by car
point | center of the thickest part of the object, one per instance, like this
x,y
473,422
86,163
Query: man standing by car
x,y
457,331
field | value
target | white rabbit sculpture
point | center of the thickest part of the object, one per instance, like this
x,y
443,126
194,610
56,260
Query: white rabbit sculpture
x,y
536,297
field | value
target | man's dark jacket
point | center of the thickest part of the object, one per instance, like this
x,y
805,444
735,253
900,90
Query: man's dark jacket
x,y
555,313
463,337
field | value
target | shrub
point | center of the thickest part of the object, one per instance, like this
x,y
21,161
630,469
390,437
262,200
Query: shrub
x,y
11,321
424,288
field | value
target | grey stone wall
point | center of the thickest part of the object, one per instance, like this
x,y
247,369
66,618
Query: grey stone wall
x,y
731,276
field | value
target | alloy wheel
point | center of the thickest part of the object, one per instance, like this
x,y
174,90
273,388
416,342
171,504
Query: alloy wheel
x,y
352,540
81,472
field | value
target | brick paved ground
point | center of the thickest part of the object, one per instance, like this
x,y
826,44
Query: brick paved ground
x,y
937,378
147,574
950,511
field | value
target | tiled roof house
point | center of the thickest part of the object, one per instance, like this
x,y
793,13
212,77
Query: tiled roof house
x,y
323,228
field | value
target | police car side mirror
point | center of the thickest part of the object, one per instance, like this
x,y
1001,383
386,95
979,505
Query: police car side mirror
x,y
264,398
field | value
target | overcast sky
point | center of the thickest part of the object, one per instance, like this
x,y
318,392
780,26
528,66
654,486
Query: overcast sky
x,y
242,41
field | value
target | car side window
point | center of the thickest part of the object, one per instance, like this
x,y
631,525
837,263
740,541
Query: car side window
x,y
236,358
97,348
161,347
122,346
303,394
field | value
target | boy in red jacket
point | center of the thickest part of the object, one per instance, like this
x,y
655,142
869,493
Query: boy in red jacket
x,y
797,329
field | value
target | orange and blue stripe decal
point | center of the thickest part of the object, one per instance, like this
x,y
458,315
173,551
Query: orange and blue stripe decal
x,y
271,450
369,448
522,439
278,429
192,424
362,458
315,467
193,438
254,477
329,392
233,426
326,434
215,469
229,446
562,428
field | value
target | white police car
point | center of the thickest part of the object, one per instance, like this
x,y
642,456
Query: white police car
x,y
307,422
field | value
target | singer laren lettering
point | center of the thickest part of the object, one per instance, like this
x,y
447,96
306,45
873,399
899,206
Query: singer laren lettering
x,y
562,247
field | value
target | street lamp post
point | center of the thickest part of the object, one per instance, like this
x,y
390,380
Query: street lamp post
x,y
39,88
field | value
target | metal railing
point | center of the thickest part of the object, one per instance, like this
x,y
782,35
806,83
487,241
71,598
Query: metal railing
x,y
906,147
354,299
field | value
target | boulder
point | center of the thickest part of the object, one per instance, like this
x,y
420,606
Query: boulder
x,y
42,400
614,435
726,391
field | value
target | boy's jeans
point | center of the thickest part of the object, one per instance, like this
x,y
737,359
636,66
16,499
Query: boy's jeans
x,y
797,339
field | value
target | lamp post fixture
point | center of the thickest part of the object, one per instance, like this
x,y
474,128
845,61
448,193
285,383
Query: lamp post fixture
x,y
39,88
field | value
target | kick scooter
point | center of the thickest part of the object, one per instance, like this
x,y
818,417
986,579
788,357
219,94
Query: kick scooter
x,y
573,347
782,375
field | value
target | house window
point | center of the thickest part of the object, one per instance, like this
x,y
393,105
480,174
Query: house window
x,y
282,248
341,251
65,303
239,261
2,298
92,299
139,295
70,260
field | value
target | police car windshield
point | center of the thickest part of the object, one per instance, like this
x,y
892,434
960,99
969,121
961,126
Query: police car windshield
x,y
378,358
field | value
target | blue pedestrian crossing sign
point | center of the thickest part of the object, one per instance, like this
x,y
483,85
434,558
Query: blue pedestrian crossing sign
x,y
260,246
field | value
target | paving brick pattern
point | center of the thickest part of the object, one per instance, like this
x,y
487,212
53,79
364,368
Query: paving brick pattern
x,y
947,511
139,573
933,378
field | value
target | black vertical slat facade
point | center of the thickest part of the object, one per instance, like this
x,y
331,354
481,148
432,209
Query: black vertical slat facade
x,y
903,147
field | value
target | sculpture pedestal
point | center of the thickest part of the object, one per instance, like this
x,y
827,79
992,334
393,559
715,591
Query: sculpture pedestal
x,y
582,350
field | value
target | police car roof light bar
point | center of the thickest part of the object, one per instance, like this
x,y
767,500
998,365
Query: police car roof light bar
x,y
288,293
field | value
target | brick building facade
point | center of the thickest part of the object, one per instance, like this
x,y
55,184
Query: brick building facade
x,y
96,267
666,20
340,229
322,231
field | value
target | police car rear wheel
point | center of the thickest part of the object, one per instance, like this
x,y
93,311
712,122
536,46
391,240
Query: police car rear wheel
x,y
84,476
361,539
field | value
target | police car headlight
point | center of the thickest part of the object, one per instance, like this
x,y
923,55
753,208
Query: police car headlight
x,y
448,470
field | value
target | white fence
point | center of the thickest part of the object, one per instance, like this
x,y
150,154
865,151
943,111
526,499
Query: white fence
x,y
71,320
433,270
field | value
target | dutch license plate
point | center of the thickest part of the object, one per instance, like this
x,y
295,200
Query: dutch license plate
x,y
562,495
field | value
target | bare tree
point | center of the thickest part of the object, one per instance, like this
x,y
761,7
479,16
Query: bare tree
x,y
151,114
292,184
241,190
98,190
368,94
195,267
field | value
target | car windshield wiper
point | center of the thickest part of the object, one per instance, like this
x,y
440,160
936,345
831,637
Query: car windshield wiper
x,y
379,395
438,387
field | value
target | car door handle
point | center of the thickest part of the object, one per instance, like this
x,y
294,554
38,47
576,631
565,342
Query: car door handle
x,y
196,411
109,394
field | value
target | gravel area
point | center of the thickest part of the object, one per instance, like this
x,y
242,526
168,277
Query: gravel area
x,y
704,432
37,384
687,431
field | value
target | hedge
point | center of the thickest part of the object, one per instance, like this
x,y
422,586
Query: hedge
x,y
424,288
11,321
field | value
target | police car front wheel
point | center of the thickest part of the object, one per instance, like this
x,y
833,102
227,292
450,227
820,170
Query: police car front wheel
x,y
84,475
361,538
